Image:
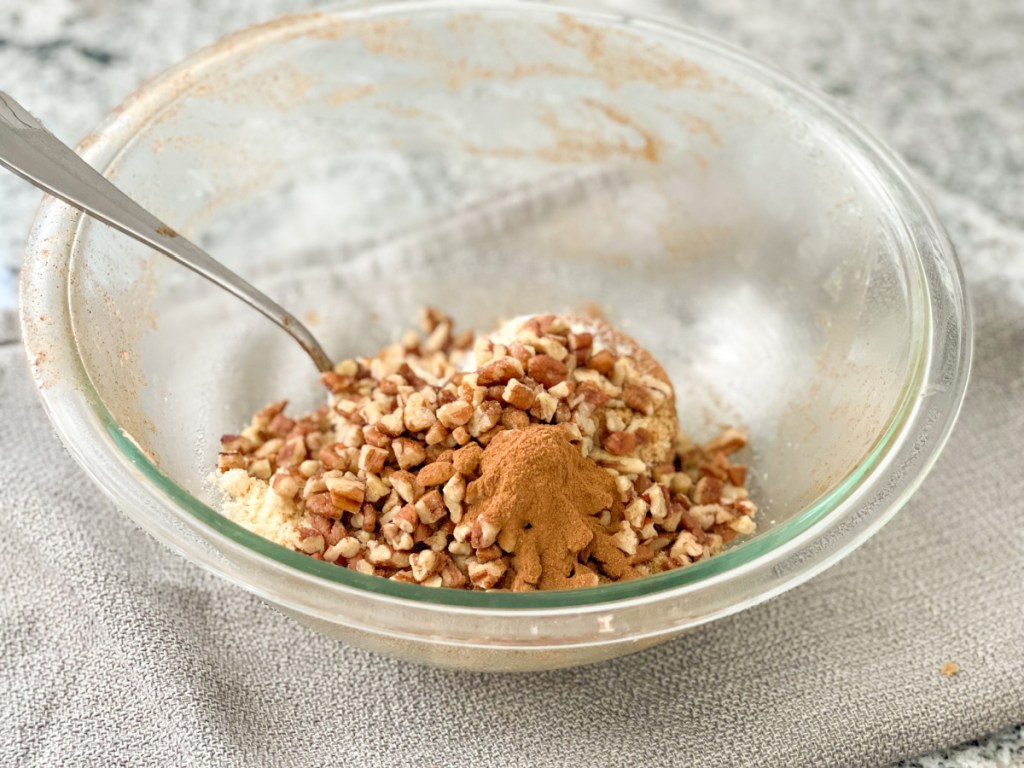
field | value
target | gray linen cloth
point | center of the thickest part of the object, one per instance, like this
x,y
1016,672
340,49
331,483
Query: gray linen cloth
x,y
113,651
116,651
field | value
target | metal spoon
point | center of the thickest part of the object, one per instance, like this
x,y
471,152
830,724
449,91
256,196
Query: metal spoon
x,y
39,157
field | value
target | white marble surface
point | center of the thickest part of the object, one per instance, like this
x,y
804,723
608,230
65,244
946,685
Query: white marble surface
x,y
941,81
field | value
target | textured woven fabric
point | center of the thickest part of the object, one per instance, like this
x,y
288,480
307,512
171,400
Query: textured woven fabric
x,y
113,651
116,651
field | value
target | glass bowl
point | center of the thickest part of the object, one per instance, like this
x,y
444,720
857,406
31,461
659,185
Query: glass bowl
x,y
493,159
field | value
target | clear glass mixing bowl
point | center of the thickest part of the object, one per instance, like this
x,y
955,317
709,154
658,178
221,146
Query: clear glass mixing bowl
x,y
496,158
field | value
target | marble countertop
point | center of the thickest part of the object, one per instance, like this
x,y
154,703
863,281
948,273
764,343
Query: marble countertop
x,y
939,81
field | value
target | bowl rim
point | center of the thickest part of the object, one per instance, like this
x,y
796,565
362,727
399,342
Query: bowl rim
x,y
911,441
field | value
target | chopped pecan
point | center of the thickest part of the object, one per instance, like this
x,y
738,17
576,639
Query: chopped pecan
x,y
373,435
437,473
347,492
321,504
467,459
518,395
419,416
335,382
438,434
592,394
730,441
266,414
626,465
280,425
424,564
260,468
309,468
499,371
286,483
453,493
347,547
546,370
392,424
580,341
620,443
544,407
626,539
236,444
406,518
603,362
451,575
333,456
737,474
484,418
406,485
520,352
513,418
708,491
455,414
485,575
408,452
230,460
310,541
372,459
431,507
638,398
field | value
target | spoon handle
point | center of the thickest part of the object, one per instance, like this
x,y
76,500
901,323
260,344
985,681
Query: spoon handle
x,y
39,157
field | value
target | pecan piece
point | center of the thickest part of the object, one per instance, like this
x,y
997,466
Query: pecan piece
x,y
310,541
286,483
320,504
334,456
335,382
467,459
424,564
546,370
372,459
580,341
438,473
485,575
708,491
431,507
347,492
230,460
408,453
484,418
638,398
406,485
373,435
518,395
455,414
513,418
235,444
603,362
406,518
499,371
293,453
730,441
437,434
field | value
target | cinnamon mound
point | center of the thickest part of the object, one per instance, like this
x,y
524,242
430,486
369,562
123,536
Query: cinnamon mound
x,y
543,496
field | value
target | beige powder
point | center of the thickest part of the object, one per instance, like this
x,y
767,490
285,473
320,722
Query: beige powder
x,y
252,504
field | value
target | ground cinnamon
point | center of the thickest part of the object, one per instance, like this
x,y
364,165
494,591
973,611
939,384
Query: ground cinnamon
x,y
544,495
